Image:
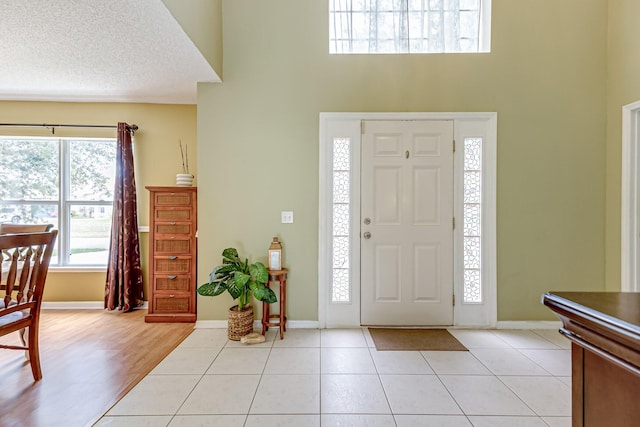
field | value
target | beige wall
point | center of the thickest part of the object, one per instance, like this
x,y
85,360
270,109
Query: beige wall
x,y
157,161
623,87
545,76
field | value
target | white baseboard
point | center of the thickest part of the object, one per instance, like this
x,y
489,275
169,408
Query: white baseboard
x,y
529,324
303,324
314,324
291,324
79,305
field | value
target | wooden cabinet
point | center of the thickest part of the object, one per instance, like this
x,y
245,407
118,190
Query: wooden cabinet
x,y
172,254
604,329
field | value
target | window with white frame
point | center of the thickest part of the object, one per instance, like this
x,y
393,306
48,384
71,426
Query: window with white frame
x,y
67,182
409,26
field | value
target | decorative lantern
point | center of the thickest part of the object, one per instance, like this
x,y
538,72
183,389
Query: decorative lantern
x,y
275,255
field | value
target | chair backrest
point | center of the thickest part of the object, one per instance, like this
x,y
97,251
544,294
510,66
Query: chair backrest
x,y
22,279
24,271
7,228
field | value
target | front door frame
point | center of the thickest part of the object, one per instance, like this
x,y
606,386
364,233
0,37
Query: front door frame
x,y
348,125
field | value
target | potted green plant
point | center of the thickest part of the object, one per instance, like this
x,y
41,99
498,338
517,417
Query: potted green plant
x,y
241,280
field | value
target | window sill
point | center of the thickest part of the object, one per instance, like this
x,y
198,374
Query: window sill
x,y
78,269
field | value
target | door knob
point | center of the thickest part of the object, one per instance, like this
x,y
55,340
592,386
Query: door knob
x,y
366,235
367,221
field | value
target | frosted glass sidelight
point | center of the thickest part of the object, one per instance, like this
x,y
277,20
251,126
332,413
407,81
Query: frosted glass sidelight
x,y
341,158
340,252
472,186
472,286
341,219
472,154
341,189
472,241
472,224
471,252
341,287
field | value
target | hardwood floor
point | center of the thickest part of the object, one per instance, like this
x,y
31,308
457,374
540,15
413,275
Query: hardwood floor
x,y
90,359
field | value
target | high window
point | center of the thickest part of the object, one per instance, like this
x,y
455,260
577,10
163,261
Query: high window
x,y
67,182
409,26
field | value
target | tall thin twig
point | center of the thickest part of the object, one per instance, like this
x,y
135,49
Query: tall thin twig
x,y
186,155
185,158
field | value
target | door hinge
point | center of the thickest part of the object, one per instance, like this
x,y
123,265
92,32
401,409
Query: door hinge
x,y
453,223
454,145
361,127
453,300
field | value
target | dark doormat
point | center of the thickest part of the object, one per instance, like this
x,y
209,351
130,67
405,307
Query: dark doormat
x,y
415,339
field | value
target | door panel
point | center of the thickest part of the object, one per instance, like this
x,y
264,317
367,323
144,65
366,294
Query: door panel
x,y
388,182
387,274
426,280
426,196
406,229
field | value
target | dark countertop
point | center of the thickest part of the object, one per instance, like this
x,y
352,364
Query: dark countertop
x,y
613,314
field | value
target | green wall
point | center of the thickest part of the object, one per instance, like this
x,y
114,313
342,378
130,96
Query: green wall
x,y
545,76
202,21
623,87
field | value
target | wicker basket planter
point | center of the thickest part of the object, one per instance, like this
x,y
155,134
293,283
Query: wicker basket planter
x,y
240,323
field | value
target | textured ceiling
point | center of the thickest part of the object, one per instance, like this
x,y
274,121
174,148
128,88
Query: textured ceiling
x,y
97,50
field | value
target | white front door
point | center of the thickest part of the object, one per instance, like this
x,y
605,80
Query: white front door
x,y
406,230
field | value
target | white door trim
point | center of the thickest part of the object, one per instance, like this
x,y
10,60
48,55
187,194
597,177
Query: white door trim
x,y
630,203
335,125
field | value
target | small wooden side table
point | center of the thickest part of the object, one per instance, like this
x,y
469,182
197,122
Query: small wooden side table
x,y
279,276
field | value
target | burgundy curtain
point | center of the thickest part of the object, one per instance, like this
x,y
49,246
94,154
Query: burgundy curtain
x,y
123,289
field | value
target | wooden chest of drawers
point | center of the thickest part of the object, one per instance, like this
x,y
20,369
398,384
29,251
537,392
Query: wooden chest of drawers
x,y
172,254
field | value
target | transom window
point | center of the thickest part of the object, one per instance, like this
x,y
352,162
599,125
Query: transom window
x,y
66,182
409,26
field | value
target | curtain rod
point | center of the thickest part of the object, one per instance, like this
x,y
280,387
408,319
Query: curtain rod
x,y
130,128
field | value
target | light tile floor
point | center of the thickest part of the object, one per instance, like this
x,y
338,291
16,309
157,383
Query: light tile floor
x,y
336,377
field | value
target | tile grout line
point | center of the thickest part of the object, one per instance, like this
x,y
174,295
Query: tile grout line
x,y
197,382
445,386
255,393
386,396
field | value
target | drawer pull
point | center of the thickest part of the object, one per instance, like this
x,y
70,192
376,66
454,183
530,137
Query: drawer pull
x,y
171,295
172,277
172,257
173,223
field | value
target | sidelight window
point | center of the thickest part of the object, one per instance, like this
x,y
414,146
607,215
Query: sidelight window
x,y
341,218
472,220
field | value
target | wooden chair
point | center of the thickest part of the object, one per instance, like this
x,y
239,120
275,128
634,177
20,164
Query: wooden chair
x,y
23,277
10,228
7,228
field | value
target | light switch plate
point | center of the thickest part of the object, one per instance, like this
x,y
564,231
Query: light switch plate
x,y
287,217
